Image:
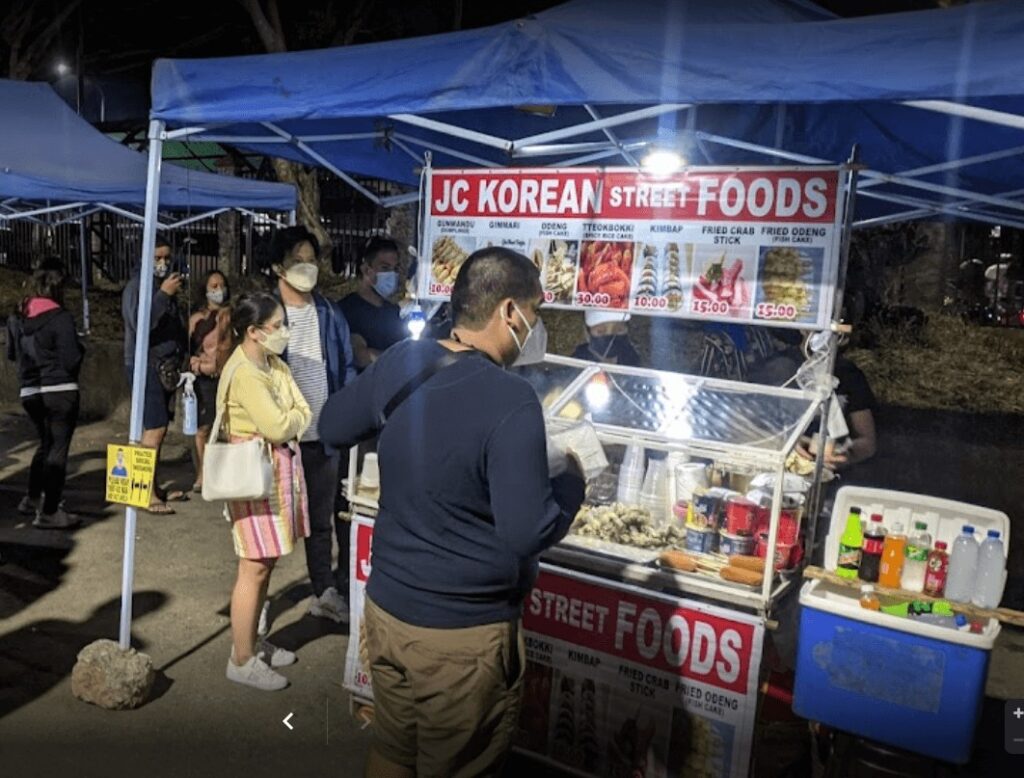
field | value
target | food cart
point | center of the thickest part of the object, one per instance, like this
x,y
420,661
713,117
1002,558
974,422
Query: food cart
x,y
637,664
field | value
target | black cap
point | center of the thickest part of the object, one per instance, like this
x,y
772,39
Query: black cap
x,y
855,510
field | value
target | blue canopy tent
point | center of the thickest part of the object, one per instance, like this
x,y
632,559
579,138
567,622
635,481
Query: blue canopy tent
x,y
933,99
54,166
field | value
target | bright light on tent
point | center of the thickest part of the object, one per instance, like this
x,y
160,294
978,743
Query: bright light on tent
x,y
663,162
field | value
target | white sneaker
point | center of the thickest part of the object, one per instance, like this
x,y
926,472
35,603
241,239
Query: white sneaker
x,y
59,519
28,506
279,657
263,629
330,605
257,674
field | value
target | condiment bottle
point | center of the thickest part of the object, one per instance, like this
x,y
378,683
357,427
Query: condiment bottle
x,y
871,549
938,569
849,546
892,557
868,599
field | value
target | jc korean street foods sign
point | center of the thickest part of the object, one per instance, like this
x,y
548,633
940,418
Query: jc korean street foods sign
x,y
752,245
620,682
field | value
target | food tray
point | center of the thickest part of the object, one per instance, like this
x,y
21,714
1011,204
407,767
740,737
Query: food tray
x,y
618,550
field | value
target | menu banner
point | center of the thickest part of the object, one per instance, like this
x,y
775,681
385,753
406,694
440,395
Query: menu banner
x,y
357,674
749,245
624,682
620,682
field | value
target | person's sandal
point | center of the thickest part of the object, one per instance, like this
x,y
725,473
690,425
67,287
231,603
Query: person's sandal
x,y
159,509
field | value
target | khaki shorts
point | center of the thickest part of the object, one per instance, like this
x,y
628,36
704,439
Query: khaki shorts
x,y
447,700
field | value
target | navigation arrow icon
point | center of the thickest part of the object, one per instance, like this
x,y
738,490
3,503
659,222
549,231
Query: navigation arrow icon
x,y
286,721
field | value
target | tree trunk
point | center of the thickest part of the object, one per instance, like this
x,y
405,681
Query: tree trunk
x,y
308,212
229,259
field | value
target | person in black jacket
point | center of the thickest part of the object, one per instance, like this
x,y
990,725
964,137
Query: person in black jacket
x,y
42,339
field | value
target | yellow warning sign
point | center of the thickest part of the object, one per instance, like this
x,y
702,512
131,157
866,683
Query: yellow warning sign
x,y
130,472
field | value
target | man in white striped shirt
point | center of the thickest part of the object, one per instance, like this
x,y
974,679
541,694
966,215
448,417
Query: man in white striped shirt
x,y
320,357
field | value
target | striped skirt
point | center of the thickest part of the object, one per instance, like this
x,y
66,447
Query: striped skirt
x,y
269,528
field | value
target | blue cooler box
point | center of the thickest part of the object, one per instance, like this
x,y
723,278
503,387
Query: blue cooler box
x,y
915,686
912,685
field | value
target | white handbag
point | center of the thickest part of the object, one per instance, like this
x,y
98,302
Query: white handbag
x,y
236,471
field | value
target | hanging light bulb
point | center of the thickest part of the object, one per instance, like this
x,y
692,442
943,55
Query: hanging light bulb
x,y
662,162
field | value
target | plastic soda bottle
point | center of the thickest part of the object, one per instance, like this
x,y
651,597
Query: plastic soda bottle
x,y
915,560
871,551
963,566
849,546
892,557
868,599
988,587
938,570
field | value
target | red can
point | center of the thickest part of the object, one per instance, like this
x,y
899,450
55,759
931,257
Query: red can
x,y
789,524
785,553
740,516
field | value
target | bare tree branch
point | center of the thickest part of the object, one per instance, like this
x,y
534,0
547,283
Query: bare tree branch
x,y
268,35
275,19
44,40
355,25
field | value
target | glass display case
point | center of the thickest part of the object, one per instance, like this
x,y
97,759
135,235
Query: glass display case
x,y
741,434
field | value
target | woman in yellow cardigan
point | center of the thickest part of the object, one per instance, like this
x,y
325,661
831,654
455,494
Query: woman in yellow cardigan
x,y
260,399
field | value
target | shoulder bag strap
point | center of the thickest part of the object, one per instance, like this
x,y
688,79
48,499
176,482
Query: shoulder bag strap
x,y
222,407
414,383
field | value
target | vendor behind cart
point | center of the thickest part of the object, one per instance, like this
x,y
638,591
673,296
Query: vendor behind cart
x,y
466,508
607,340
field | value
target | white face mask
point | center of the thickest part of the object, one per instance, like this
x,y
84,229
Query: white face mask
x,y
386,284
161,269
535,347
302,276
216,296
275,341
528,342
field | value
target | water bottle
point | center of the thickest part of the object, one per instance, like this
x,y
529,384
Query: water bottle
x,y
963,566
915,564
988,586
189,406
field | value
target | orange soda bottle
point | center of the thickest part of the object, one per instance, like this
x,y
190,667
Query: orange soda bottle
x,y
868,599
892,557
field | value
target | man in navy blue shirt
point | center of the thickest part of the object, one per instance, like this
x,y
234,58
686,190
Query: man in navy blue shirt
x,y
466,508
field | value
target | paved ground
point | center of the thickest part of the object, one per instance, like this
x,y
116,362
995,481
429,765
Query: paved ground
x,y
60,591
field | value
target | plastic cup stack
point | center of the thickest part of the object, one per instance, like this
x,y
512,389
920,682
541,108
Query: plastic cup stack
x,y
631,476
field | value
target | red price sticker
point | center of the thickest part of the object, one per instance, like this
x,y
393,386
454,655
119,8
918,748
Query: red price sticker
x,y
647,302
440,290
549,297
709,307
599,299
773,311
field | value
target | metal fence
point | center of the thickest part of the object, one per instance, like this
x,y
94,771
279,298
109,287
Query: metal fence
x,y
113,241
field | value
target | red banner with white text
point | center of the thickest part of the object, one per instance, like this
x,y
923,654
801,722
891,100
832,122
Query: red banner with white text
x,y
750,245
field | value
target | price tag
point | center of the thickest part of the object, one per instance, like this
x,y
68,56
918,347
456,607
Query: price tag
x,y
598,299
773,311
651,303
709,307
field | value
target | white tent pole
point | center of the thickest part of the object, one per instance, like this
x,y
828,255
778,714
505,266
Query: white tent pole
x,y
129,215
184,132
418,158
970,112
956,164
551,149
314,154
197,218
255,215
584,159
959,212
49,209
874,175
600,124
454,130
613,138
77,217
156,132
83,257
445,150
902,216
292,220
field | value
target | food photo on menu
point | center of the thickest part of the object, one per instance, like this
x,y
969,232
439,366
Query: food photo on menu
x,y
789,280
723,281
557,262
447,256
658,277
606,269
